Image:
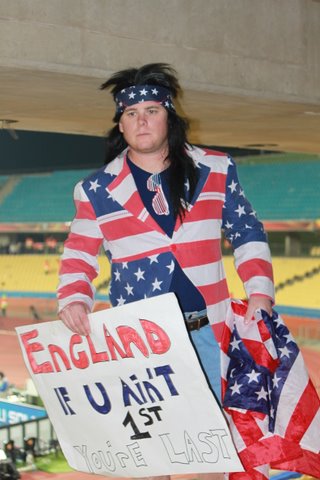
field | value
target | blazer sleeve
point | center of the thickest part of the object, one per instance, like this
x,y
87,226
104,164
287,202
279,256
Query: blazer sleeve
x,y
79,262
248,239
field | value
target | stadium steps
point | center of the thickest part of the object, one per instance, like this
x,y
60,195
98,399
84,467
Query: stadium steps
x,y
7,185
284,191
3,180
304,293
42,198
25,273
298,278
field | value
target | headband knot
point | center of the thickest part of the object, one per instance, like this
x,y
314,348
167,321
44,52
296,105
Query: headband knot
x,y
143,93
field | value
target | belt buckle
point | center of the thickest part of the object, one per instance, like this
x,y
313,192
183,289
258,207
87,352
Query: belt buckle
x,y
197,320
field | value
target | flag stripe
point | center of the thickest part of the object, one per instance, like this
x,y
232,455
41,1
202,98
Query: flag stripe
x,y
214,293
255,267
247,427
311,437
301,416
292,390
79,286
190,255
72,265
128,224
251,250
84,210
259,285
261,354
205,209
88,228
84,244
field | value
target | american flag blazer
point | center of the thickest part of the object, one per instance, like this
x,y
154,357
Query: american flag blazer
x,y
110,213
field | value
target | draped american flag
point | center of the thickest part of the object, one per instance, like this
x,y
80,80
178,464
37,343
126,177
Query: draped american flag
x,y
273,407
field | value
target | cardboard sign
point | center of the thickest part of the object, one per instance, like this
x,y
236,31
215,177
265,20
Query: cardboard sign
x,y
130,400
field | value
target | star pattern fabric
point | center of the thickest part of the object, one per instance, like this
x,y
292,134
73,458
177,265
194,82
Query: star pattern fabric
x,y
258,387
142,279
239,220
143,93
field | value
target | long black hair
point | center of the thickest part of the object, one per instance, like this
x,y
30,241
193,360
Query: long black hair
x,y
182,166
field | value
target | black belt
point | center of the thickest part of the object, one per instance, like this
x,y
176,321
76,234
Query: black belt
x,y
196,323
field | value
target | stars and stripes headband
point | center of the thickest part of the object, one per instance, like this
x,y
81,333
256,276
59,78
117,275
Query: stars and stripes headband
x,y
143,93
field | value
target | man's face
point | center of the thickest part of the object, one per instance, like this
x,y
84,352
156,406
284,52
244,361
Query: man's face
x,y
145,127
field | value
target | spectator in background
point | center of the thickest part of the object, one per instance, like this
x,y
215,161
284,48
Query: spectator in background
x,y
34,313
14,248
28,245
4,305
11,451
46,267
50,245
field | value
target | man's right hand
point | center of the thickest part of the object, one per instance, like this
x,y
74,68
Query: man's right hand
x,y
75,317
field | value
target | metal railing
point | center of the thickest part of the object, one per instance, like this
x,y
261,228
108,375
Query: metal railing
x,y
39,428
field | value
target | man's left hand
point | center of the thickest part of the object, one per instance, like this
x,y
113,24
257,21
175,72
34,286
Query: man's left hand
x,y
257,302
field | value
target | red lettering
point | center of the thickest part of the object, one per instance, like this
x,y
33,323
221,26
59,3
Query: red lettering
x,y
82,360
30,348
158,339
56,350
129,335
96,356
112,345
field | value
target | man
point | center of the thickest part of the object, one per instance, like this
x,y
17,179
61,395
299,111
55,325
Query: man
x,y
4,305
157,208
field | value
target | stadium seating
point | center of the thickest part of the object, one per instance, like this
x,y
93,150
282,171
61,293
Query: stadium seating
x,y
42,198
298,292
276,191
3,180
25,273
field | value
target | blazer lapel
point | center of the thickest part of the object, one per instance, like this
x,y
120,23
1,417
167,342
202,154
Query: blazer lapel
x,y
123,189
204,172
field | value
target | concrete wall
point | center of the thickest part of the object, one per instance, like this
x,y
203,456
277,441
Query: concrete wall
x,y
262,48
